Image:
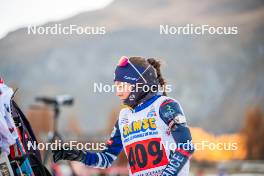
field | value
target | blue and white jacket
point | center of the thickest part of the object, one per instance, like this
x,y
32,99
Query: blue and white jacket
x,y
154,136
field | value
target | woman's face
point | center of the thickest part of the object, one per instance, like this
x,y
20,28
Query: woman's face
x,y
123,89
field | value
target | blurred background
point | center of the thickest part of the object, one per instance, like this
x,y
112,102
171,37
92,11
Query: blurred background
x,y
218,79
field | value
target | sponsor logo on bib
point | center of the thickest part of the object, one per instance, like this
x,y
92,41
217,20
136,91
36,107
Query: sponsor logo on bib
x,y
139,126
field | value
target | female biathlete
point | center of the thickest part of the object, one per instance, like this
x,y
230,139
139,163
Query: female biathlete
x,y
151,128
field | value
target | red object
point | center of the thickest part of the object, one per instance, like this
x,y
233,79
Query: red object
x,y
1,81
166,102
109,142
14,149
56,169
183,152
123,61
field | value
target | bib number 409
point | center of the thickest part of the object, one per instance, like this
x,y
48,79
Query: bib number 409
x,y
146,154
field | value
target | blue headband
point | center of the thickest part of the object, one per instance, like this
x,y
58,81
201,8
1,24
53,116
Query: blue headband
x,y
128,73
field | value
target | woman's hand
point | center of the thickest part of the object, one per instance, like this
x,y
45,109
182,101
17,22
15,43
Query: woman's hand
x,y
68,154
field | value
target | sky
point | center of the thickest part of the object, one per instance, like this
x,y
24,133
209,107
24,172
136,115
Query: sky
x,y
15,14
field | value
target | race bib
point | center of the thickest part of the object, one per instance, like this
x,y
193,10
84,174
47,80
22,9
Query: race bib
x,y
146,154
